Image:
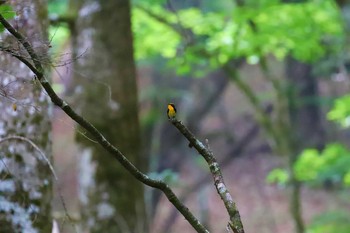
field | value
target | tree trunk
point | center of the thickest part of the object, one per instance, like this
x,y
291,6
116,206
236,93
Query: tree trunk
x,y
25,177
114,201
305,116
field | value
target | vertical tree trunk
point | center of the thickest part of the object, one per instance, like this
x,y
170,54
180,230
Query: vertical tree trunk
x,y
306,121
25,178
106,74
305,112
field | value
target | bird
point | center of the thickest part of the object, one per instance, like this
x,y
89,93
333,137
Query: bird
x,y
171,111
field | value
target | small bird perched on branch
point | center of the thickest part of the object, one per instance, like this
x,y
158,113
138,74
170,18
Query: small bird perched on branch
x,y
171,111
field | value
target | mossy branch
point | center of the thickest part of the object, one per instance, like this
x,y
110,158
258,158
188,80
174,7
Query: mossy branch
x,y
36,67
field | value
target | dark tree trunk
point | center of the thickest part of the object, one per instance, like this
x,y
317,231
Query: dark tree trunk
x,y
305,113
305,118
106,73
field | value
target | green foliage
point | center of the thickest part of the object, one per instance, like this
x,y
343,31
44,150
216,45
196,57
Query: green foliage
x,y
59,36
57,6
277,176
332,164
331,222
314,167
7,12
308,165
152,37
347,179
282,28
341,111
262,27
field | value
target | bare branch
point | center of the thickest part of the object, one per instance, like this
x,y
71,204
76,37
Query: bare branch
x,y
235,219
38,71
237,151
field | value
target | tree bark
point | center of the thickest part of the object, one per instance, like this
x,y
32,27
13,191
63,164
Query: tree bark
x,y
114,202
25,127
305,117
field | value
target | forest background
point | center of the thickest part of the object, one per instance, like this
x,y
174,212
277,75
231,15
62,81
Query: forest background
x,y
262,83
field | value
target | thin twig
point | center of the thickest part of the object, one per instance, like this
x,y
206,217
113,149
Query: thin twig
x,y
35,147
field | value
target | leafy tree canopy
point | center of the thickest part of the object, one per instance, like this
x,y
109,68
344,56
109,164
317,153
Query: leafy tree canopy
x,y
341,111
332,164
207,40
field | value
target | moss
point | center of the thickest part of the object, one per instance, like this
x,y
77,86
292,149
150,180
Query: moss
x,y
18,158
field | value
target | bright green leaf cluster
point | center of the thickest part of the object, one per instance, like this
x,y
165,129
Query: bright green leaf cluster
x,y
57,6
277,176
153,37
341,111
7,12
261,3
347,179
59,36
282,28
306,30
308,165
201,24
332,164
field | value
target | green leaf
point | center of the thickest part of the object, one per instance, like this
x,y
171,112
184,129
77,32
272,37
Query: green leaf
x,y
307,30
308,165
153,37
332,164
59,37
278,176
341,111
7,12
57,6
347,179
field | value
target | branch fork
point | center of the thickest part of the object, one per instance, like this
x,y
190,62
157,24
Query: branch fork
x,y
235,222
